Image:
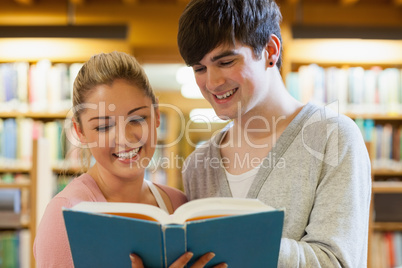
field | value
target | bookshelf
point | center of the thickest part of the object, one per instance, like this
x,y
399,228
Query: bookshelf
x,y
152,38
379,119
21,235
20,171
43,182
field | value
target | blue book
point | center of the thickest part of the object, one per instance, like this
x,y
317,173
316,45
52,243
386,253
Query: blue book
x,y
241,232
10,208
10,138
10,200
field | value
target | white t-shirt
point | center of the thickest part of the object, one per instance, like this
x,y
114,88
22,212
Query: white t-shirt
x,y
240,184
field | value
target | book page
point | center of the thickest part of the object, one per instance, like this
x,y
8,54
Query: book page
x,y
217,207
194,210
130,210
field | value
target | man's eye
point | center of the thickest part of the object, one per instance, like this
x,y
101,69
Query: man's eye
x,y
198,69
225,63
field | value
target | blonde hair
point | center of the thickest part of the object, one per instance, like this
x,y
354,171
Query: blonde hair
x,y
101,69
104,68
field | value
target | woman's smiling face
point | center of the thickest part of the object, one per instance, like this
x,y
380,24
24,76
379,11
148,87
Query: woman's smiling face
x,y
119,126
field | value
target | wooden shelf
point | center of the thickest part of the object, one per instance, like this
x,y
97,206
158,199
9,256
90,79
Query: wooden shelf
x,y
387,187
386,172
57,49
34,115
18,227
387,117
387,226
330,51
15,170
67,171
15,185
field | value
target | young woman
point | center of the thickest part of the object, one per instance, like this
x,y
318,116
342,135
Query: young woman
x,y
115,117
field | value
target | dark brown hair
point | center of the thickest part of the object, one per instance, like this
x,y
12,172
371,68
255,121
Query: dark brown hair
x,y
206,24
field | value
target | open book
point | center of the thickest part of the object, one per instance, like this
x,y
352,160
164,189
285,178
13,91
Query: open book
x,y
241,232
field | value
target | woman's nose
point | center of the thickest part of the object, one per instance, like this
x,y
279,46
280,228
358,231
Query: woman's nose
x,y
130,135
122,133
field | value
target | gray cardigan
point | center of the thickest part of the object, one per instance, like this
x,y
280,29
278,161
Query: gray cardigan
x,y
319,172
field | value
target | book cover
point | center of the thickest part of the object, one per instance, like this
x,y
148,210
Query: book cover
x,y
25,248
10,139
22,69
38,85
9,242
24,141
389,243
240,235
10,208
2,141
398,248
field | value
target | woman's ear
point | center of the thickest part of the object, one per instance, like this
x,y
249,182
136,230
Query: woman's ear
x,y
79,132
273,50
157,113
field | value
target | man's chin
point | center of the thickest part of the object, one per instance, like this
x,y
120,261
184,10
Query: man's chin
x,y
224,117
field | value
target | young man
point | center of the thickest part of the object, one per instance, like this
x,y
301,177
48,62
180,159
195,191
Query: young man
x,y
309,160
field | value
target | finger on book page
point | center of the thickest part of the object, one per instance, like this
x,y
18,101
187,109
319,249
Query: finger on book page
x,y
136,261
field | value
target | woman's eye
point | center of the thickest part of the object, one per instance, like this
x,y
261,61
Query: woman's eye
x,y
103,128
137,120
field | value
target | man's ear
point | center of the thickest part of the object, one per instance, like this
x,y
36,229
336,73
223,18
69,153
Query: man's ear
x,y
273,50
79,132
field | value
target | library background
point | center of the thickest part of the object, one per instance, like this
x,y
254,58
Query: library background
x,y
344,53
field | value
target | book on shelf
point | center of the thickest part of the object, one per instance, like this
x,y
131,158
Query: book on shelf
x,y
38,78
397,240
357,90
10,208
385,143
15,248
386,249
40,87
16,135
104,234
9,139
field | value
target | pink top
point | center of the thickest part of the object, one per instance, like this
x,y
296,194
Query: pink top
x,y
51,247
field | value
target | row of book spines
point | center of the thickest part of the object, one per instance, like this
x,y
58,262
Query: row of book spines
x,y
347,85
16,144
42,85
15,202
386,249
15,249
385,139
15,178
10,178
17,134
